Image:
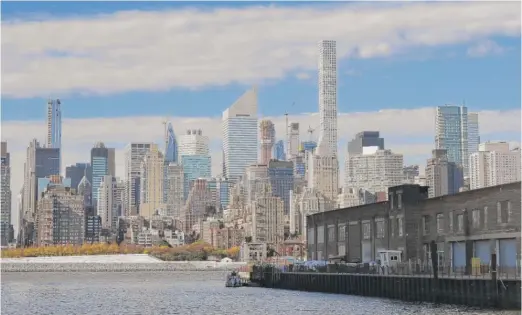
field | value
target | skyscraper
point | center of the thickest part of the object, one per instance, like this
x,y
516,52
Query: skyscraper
x,y
292,143
279,151
443,176
54,123
451,133
494,164
77,171
134,154
152,175
323,166
473,133
171,145
267,134
40,163
365,139
5,195
102,161
240,135
194,167
193,142
327,145
281,176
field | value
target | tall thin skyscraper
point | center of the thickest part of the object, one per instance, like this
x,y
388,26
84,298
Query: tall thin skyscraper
x,y
267,134
54,125
327,144
240,135
451,134
473,133
292,144
279,151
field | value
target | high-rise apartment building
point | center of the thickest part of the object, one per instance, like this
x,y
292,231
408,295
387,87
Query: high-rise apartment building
x,y
134,154
473,133
102,164
281,176
54,124
268,219
40,163
494,164
152,175
77,171
451,133
60,218
327,145
193,143
240,140
267,137
175,189
292,142
5,195
323,166
109,202
372,172
443,176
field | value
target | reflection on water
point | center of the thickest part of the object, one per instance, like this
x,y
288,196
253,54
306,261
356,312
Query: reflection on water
x,y
152,293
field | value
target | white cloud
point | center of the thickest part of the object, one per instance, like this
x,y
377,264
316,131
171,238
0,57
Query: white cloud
x,y
483,48
191,48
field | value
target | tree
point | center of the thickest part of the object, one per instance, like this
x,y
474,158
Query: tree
x,y
271,252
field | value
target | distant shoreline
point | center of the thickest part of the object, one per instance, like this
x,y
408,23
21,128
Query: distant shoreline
x,y
110,263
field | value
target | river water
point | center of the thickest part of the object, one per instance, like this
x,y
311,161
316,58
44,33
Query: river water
x,y
144,293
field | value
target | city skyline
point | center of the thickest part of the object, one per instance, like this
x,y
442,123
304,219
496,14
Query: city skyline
x,y
380,74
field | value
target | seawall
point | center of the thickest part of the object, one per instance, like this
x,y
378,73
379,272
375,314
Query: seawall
x,y
471,292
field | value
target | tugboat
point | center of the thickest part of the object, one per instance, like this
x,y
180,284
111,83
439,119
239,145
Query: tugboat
x,y
233,280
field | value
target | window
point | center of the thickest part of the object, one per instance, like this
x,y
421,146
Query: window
x,y
440,223
399,224
450,221
426,225
475,216
311,236
399,201
341,249
379,225
391,201
342,233
320,235
366,230
392,227
319,255
503,212
331,233
460,223
485,217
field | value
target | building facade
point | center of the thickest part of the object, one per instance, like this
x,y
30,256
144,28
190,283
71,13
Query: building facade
x,y
267,137
281,176
5,196
451,133
193,142
494,164
134,154
470,224
194,167
102,164
77,171
151,185
327,98
442,176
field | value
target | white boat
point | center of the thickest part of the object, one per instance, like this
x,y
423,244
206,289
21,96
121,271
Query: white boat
x,y
233,280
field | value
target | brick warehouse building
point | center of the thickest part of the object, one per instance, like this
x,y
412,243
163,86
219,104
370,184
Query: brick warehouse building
x,y
469,224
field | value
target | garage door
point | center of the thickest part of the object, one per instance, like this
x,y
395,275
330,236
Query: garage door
x,y
367,251
508,253
483,251
458,258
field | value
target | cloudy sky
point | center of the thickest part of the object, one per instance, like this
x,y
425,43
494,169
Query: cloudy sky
x,y
120,68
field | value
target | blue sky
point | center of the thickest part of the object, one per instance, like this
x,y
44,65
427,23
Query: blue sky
x,y
419,77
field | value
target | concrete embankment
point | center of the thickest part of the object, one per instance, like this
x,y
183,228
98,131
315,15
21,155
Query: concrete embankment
x,y
472,292
110,263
